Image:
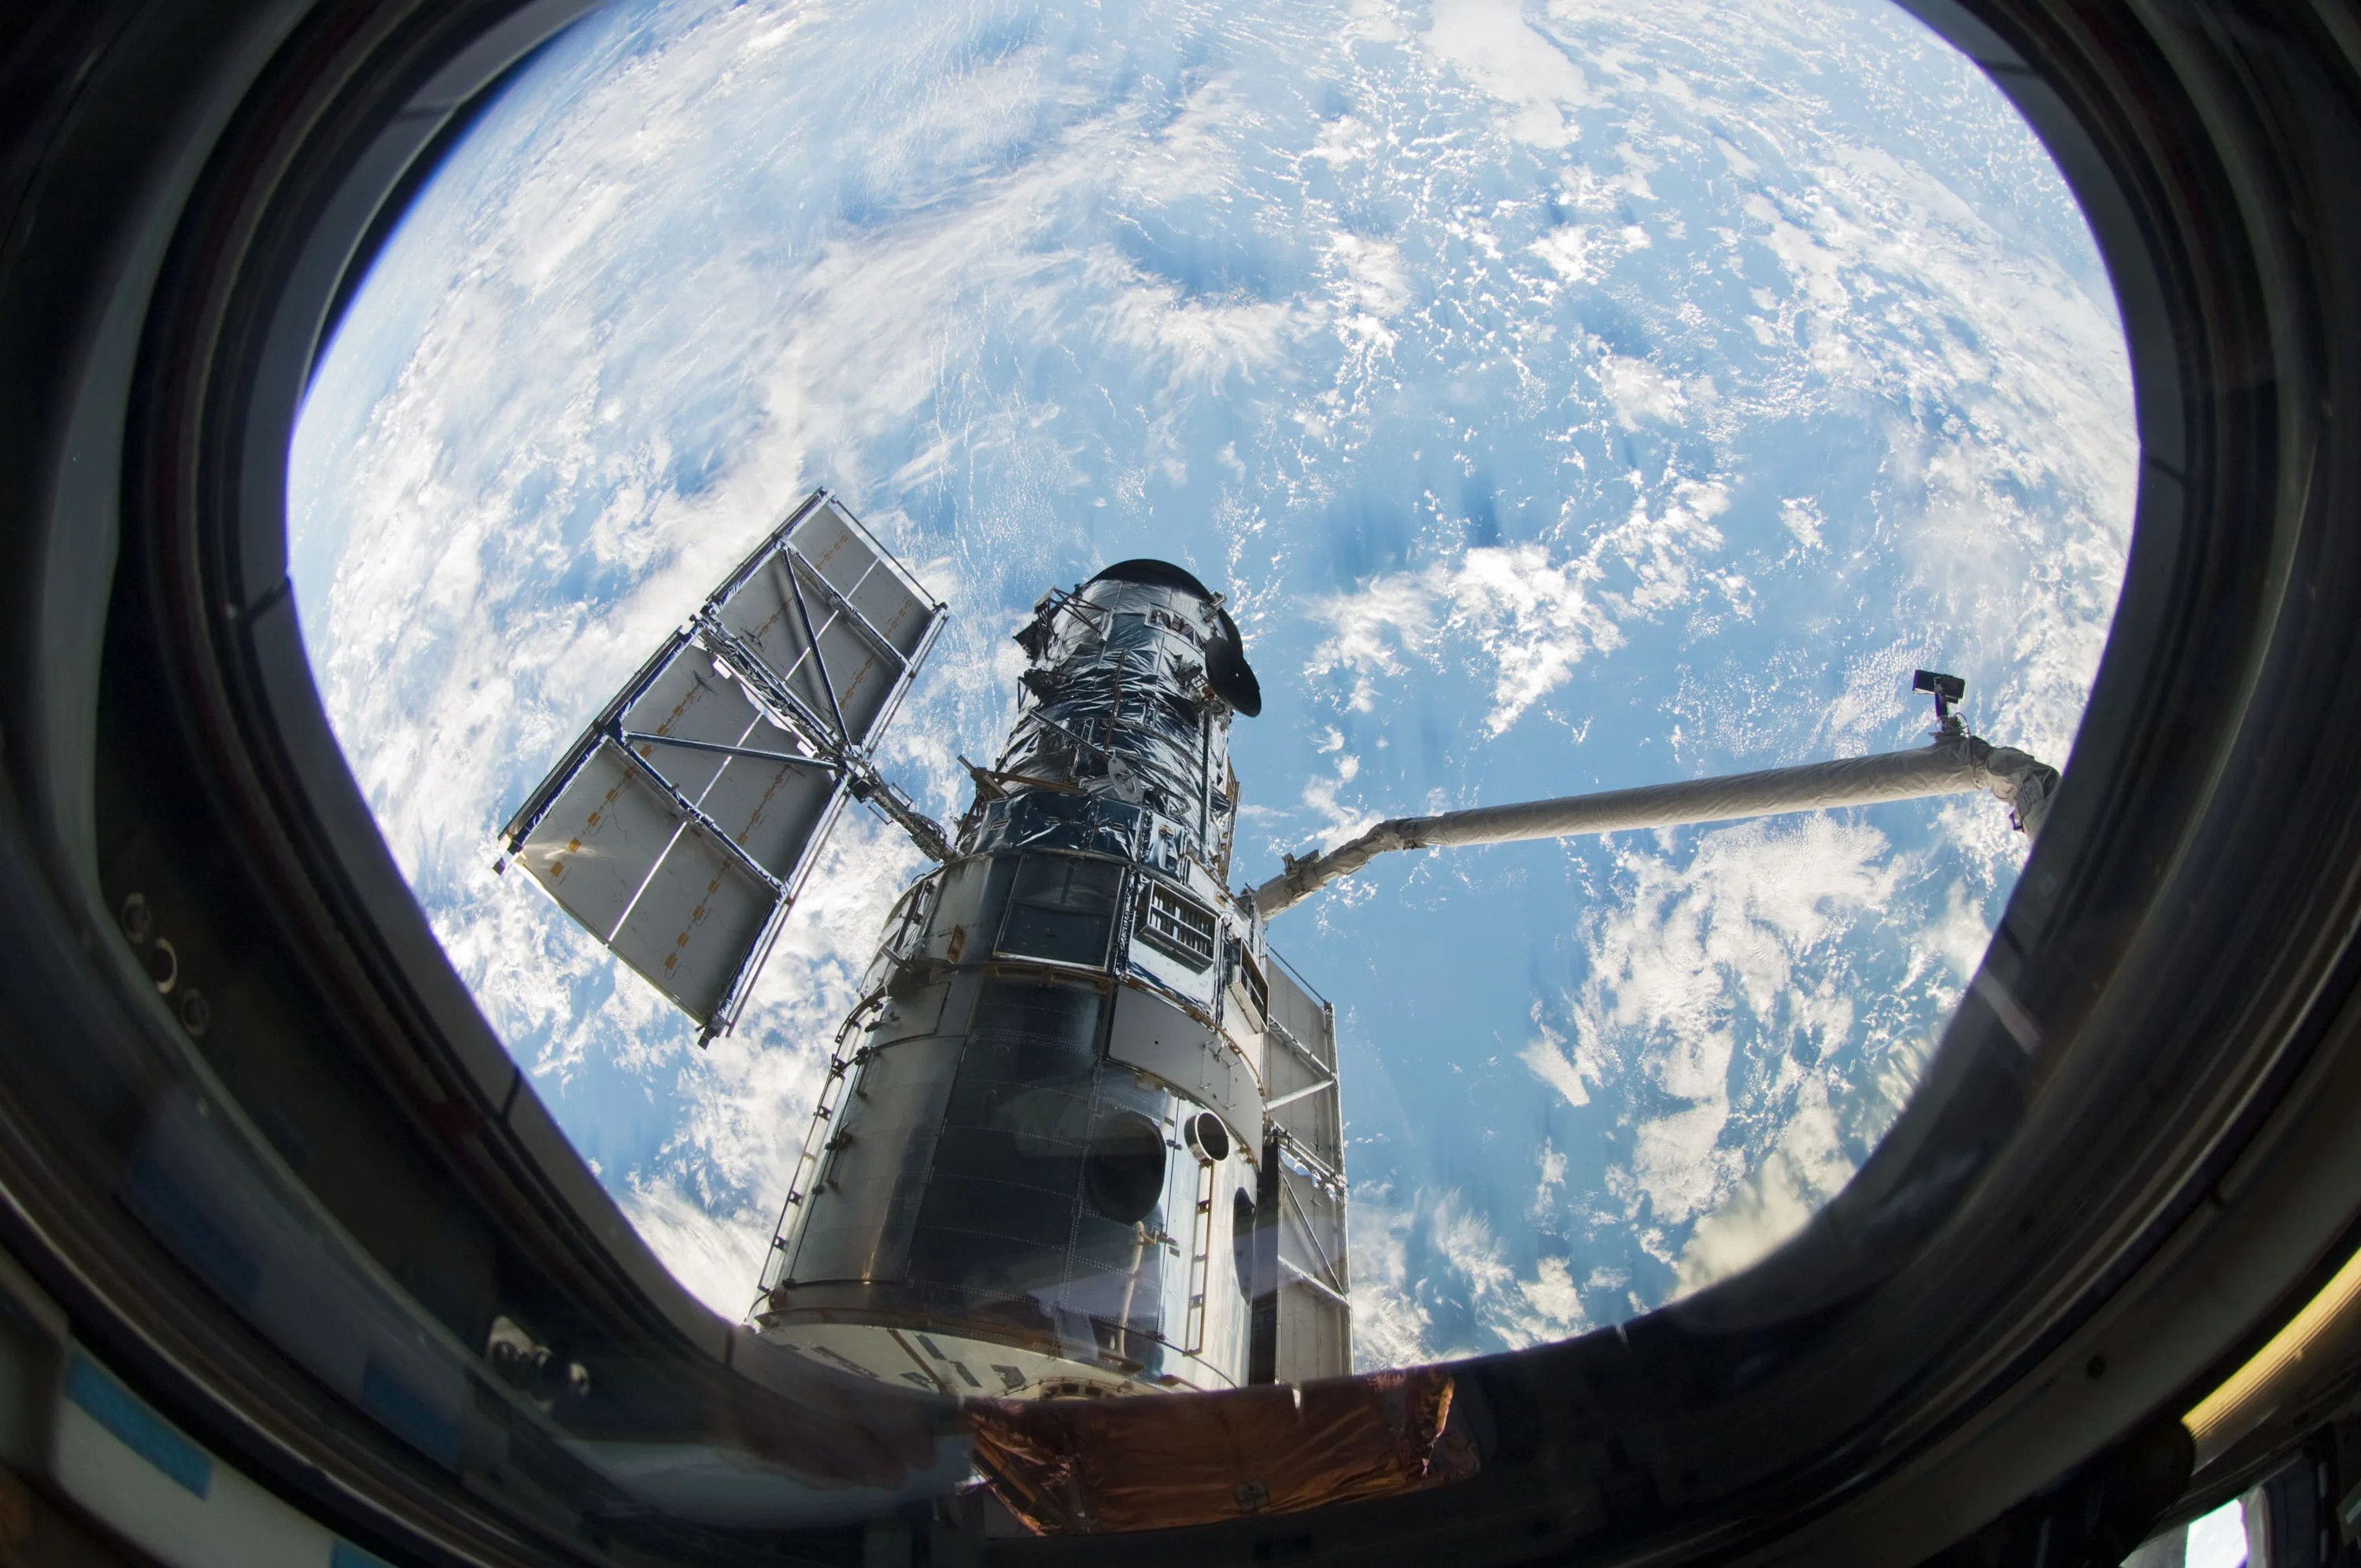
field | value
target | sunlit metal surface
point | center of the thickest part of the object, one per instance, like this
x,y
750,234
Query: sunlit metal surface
x,y
1081,1135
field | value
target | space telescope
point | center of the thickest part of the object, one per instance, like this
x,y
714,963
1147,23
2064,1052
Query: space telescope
x,y
1081,1132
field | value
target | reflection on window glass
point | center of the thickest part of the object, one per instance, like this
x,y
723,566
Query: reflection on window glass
x,y
1241,1240
2219,1540
1062,910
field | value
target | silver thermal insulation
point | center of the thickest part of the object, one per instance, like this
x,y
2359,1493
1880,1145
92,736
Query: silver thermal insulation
x,y
1121,726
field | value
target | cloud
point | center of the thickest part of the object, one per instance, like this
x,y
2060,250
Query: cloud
x,y
1800,516
1373,281
1371,630
1390,1327
2014,509
1552,1176
717,1257
1469,1247
1531,615
1549,1306
1696,955
1534,617
1640,392
1961,935
1803,1170
1488,42
1507,1308
1569,249
1545,1056
1196,343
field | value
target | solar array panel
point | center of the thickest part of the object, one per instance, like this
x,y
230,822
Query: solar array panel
x,y
678,826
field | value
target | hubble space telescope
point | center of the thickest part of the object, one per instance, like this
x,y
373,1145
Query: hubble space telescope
x,y
1081,1134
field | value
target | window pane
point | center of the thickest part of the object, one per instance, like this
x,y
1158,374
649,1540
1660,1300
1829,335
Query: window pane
x,y
1063,910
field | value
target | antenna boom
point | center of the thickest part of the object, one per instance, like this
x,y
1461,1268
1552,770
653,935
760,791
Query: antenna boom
x,y
1957,764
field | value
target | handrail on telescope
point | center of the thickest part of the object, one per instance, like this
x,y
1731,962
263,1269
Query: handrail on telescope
x,y
1956,763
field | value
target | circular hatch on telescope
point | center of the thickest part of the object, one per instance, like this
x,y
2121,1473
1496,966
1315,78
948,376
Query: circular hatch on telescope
x,y
1124,1171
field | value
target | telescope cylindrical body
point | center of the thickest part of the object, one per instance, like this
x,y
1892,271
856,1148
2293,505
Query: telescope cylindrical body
x,y
1040,1175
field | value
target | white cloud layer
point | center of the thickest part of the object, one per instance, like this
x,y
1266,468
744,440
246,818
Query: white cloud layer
x,y
1531,619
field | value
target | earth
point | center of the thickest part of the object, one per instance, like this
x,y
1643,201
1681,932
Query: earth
x,y
1566,396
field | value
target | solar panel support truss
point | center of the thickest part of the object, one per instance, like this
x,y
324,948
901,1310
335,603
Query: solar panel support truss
x,y
679,826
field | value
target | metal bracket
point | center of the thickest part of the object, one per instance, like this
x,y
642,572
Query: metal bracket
x,y
695,814
1945,689
641,737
